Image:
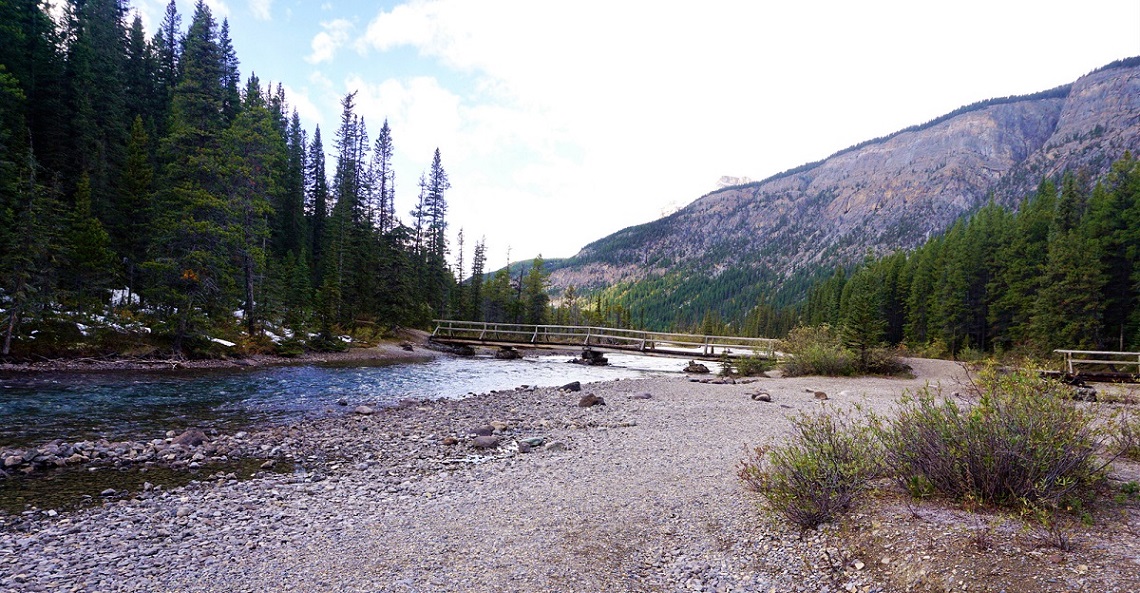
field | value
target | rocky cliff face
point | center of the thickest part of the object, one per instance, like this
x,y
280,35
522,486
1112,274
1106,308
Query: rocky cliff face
x,y
883,195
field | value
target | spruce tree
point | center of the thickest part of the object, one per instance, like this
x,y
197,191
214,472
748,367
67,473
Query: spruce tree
x,y
317,201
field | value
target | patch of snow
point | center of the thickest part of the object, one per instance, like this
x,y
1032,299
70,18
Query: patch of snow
x,y
346,339
276,339
82,329
226,343
123,296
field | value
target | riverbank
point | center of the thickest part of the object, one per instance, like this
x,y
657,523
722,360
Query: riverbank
x,y
638,494
409,346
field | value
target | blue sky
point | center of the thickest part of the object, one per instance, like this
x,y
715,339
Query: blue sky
x,y
562,122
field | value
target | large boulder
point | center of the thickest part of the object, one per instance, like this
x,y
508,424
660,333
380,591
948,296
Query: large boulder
x,y
192,437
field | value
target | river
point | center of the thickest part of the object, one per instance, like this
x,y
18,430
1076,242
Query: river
x,y
35,408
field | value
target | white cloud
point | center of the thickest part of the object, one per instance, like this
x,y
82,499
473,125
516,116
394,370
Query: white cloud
x,y
422,114
217,7
308,110
327,42
624,108
261,9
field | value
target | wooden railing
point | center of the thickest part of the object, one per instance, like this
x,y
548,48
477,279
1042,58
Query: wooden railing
x,y
474,332
1077,358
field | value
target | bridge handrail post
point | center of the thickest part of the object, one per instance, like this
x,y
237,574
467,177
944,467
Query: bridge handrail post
x,y
534,338
483,333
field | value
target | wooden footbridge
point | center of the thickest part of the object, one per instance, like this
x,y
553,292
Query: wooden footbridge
x,y
509,336
1101,366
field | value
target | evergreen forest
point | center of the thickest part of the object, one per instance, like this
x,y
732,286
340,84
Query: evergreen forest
x,y
1059,272
154,201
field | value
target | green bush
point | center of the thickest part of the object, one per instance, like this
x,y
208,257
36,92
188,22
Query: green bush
x,y
884,361
745,366
819,474
816,350
1023,444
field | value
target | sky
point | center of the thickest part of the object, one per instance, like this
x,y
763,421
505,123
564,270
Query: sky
x,y
562,122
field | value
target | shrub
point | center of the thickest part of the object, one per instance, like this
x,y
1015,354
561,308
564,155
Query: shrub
x,y
883,361
1022,444
1127,434
819,474
745,366
816,350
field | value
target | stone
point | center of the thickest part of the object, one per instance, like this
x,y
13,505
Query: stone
x,y
762,396
342,402
820,395
641,396
364,410
591,400
269,464
407,346
485,430
499,425
524,447
575,386
534,441
507,354
450,441
555,446
696,368
192,437
108,492
485,442
13,460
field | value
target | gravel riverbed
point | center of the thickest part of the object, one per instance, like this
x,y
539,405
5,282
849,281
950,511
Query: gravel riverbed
x,y
639,494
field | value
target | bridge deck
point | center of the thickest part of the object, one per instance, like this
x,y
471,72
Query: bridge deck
x,y
600,338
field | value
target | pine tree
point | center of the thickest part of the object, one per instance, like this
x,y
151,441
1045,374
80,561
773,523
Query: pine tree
x,y
475,290
384,182
96,67
133,229
140,84
289,216
191,272
534,293
254,156
230,75
166,49
317,201
1112,224
861,312
88,260
1018,277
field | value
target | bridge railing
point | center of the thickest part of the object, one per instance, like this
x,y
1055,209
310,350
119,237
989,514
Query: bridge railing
x,y
624,339
1113,359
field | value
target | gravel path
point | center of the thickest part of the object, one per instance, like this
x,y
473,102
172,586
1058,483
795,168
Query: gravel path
x,y
637,495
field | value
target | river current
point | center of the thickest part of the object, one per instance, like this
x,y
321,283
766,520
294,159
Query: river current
x,y
35,408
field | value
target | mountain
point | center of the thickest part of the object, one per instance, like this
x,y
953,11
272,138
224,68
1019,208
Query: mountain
x,y
740,245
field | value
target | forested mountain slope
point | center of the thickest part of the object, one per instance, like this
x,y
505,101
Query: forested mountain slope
x,y
734,247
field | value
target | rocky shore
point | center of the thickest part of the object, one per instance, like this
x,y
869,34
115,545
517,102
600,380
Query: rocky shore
x,y
519,490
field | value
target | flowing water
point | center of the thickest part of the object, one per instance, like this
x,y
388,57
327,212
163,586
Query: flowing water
x,y
35,408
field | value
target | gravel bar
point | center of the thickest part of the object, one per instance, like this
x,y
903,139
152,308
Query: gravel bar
x,y
638,494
